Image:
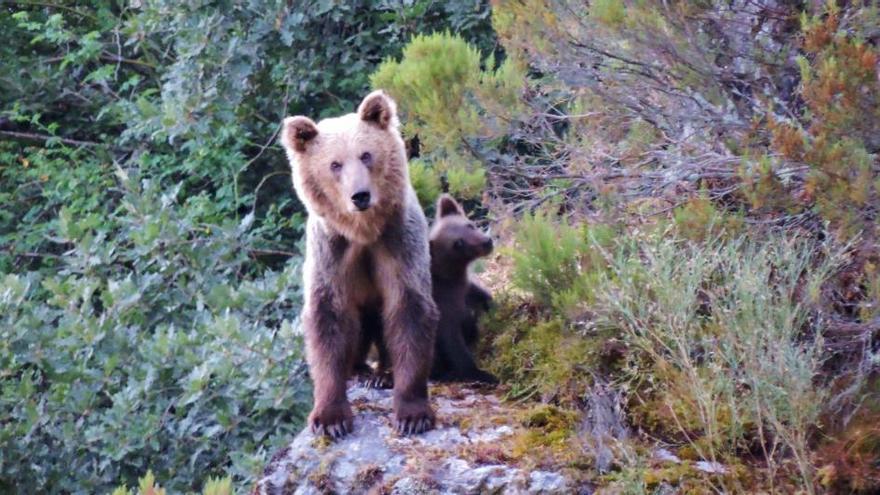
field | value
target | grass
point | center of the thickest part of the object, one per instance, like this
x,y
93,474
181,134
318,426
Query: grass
x,y
728,334
717,345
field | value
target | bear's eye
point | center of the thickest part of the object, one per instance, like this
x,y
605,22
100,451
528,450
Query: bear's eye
x,y
335,166
366,158
471,226
458,244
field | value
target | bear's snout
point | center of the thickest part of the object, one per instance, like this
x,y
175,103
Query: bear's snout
x,y
361,200
487,246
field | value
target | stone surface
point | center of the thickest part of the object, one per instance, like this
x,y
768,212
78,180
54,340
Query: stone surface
x,y
604,423
373,459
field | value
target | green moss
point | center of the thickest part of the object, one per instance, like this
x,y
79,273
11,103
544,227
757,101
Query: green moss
x,y
537,357
550,419
321,443
548,437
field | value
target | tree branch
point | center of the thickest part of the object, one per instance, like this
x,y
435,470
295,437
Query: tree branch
x,y
29,136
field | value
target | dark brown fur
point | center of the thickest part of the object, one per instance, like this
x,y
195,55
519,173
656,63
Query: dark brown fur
x,y
455,243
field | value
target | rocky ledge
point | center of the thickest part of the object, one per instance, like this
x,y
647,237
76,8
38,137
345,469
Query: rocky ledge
x,y
463,454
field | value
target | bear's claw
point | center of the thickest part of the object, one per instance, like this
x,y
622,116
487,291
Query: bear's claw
x,y
333,421
413,418
412,426
378,380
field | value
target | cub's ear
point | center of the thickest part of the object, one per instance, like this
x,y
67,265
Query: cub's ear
x,y
297,132
378,108
447,206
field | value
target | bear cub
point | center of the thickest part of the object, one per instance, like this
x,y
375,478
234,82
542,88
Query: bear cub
x,y
455,242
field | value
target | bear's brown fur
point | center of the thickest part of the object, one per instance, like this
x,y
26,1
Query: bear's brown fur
x,y
455,243
367,266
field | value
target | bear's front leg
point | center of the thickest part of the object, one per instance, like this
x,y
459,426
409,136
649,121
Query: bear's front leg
x,y
410,327
328,336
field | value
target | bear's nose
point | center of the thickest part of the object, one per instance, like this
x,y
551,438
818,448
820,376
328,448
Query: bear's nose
x,y
361,200
487,246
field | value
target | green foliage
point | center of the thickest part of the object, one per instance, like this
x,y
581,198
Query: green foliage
x,y
547,255
700,220
147,486
725,332
464,183
425,181
841,123
174,362
452,104
538,359
149,254
432,82
558,262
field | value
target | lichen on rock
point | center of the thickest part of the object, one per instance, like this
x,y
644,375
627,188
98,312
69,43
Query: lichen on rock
x,y
449,459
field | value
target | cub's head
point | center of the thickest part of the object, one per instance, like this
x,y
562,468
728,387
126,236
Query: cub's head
x,y
455,240
350,170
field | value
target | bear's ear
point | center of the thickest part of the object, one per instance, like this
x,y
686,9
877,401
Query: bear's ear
x,y
379,109
447,206
297,132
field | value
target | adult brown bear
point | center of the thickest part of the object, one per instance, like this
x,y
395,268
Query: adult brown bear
x,y
367,267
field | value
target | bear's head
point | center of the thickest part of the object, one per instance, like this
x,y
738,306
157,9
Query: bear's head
x,y
455,240
351,170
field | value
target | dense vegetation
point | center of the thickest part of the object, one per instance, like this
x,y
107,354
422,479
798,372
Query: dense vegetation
x,y
150,257
694,253
687,193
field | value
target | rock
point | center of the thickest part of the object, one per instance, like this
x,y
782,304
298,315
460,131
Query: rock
x,y
449,459
710,467
664,455
604,424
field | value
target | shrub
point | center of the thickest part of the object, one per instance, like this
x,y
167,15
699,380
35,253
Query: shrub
x,y
537,358
558,262
699,219
432,82
181,362
147,486
728,333
425,182
452,104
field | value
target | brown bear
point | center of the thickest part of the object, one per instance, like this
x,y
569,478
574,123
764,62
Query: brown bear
x,y
455,243
367,262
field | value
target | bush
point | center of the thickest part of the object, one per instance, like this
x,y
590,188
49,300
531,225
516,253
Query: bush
x,y
452,105
425,182
728,332
538,358
149,269
147,486
181,362
558,262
